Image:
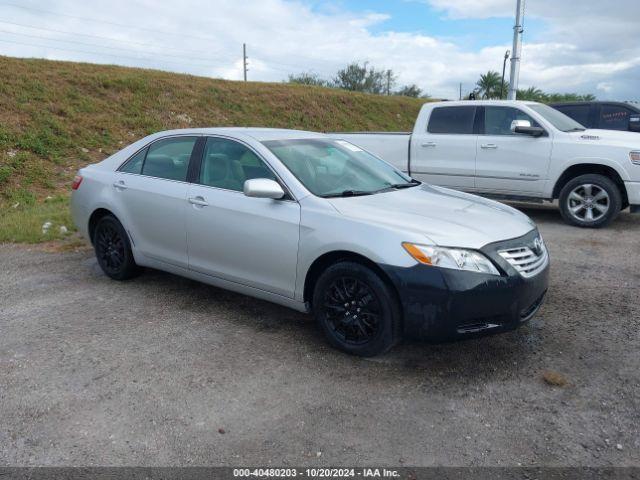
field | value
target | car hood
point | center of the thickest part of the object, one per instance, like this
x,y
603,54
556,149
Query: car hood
x,y
446,217
608,137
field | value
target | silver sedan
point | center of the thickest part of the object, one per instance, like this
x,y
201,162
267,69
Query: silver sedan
x,y
315,224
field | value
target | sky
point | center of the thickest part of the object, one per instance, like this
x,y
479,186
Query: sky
x,y
591,46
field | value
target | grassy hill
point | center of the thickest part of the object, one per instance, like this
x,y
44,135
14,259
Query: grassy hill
x,y
58,116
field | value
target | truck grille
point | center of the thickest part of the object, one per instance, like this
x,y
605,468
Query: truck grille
x,y
528,260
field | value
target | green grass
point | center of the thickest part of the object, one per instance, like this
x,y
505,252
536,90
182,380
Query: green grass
x,y
56,117
22,222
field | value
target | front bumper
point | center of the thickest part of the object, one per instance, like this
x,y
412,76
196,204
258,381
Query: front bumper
x,y
443,304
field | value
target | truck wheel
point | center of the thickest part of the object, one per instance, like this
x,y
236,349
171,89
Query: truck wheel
x,y
357,311
590,201
113,251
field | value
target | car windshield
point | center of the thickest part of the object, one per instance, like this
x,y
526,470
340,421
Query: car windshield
x,y
336,168
557,119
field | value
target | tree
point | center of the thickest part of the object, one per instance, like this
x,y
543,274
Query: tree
x,y
309,78
362,79
489,85
410,91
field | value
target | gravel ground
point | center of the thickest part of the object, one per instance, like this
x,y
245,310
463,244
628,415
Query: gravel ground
x,y
165,371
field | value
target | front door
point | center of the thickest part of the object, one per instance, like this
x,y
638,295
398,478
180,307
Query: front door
x,y
507,162
246,240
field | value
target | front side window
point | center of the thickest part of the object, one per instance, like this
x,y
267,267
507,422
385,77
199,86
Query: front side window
x,y
497,120
614,117
228,164
330,168
169,158
452,120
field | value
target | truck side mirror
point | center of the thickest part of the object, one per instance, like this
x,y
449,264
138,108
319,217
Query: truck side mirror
x,y
634,123
524,127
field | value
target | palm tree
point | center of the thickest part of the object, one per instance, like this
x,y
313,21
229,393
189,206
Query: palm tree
x,y
489,85
533,94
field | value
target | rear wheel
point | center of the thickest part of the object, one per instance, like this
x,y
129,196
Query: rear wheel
x,y
113,250
357,311
590,201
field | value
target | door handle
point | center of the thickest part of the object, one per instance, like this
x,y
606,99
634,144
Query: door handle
x,y
428,144
200,201
119,185
489,146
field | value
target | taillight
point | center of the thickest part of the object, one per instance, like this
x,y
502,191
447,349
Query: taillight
x,y
77,180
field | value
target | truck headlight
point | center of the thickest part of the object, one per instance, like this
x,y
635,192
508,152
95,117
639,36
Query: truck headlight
x,y
635,157
454,258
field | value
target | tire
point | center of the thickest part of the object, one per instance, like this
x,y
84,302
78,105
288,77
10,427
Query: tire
x,y
347,290
590,201
113,250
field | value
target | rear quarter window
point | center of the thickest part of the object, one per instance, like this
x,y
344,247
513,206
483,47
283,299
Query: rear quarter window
x,y
457,120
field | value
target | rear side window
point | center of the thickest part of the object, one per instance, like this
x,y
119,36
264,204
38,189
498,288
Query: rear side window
x,y
614,117
452,120
580,113
134,164
169,158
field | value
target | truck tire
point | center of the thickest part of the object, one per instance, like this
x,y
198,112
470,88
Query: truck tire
x,y
590,201
356,310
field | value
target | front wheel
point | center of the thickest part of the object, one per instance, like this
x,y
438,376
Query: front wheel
x,y
357,311
590,201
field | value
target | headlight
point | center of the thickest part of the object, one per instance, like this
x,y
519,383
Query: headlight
x,y
635,157
454,258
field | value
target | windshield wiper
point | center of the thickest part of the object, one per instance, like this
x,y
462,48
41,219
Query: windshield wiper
x,y
346,193
576,130
410,184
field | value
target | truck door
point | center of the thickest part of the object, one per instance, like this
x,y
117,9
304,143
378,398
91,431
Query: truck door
x,y
445,152
507,162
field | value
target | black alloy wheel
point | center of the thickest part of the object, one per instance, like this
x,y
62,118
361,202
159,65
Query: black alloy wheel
x,y
113,250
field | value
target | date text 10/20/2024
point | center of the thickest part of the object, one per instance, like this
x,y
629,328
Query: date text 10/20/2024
x,y
315,472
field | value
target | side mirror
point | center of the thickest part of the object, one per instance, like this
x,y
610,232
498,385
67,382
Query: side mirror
x,y
263,188
634,123
524,127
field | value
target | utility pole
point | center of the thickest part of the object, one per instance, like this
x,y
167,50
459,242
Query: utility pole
x,y
244,60
460,90
504,66
517,50
388,82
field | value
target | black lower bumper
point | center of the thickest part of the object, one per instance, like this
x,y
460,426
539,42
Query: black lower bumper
x,y
443,304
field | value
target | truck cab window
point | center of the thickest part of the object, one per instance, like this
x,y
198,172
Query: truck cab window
x,y
457,120
497,120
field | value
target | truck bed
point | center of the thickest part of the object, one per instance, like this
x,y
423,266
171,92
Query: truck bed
x,y
390,146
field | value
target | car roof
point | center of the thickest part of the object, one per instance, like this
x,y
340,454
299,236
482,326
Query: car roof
x,y
503,103
257,133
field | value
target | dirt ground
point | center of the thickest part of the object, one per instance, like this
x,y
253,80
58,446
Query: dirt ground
x,y
165,371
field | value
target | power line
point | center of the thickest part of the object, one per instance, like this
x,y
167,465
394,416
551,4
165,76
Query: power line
x,y
53,30
101,53
208,60
106,22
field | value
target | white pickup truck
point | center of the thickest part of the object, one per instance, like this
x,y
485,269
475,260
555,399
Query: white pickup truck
x,y
514,150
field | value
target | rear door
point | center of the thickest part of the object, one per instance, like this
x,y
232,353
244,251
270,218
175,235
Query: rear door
x,y
507,162
152,189
445,153
245,240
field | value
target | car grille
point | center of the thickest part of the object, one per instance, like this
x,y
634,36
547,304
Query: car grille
x,y
528,261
